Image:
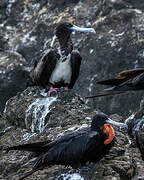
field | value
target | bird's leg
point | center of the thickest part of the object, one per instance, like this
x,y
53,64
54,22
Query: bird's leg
x,y
52,90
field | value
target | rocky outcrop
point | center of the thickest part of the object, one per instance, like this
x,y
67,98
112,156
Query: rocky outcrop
x,y
26,30
136,128
34,109
119,163
68,112
28,27
13,75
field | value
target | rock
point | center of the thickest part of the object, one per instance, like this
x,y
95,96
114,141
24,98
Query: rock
x,y
119,163
27,28
117,45
136,128
63,3
106,7
2,125
34,109
13,75
67,112
114,49
3,13
139,4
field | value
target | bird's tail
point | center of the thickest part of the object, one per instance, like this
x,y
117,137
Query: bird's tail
x,y
39,164
111,82
105,94
33,147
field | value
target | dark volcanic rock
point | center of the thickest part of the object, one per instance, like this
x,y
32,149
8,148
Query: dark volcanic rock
x,y
108,6
34,109
139,4
115,48
72,114
136,127
27,28
65,113
117,45
61,4
13,75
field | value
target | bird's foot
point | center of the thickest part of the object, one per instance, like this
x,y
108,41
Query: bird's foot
x,y
52,90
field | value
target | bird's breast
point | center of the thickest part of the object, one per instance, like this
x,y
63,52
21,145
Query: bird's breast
x,y
62,72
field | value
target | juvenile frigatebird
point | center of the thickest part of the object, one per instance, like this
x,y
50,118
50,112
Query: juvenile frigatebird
x,y
60,66
76,148
128,80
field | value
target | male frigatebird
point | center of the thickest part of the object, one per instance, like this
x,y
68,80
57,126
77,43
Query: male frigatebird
x,y
60,65
76,148
127,80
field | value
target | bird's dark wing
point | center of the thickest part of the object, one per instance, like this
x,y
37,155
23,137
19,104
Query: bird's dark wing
x,y
133,84
122,77
75,65
136,83
127,74
43,69
138,80
72,149
68,136
46,145
69,152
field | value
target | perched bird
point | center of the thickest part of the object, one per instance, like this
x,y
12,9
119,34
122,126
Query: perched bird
x,y
127,80
76,148
60,65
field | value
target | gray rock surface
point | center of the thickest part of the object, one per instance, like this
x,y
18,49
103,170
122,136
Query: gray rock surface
x,y
27,27
13,75
68,113
136,128
26,30
33,109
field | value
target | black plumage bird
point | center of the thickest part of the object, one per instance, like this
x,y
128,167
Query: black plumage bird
x,y
128,80
76,148
60,66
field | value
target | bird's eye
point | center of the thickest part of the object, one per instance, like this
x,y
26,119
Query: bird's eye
x,y
68,25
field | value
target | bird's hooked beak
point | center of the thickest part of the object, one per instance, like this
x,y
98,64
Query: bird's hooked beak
x,y
123,125
76,28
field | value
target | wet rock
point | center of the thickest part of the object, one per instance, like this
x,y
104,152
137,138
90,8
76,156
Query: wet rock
x,y
34,109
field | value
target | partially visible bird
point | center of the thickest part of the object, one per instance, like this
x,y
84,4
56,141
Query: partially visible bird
x,y
60,65
128,80
76,148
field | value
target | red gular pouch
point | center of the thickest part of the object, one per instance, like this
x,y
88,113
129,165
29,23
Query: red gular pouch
x,y
108,129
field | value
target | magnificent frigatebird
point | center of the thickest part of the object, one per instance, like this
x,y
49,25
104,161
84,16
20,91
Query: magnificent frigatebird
x,y
76,148
60,65
127,80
